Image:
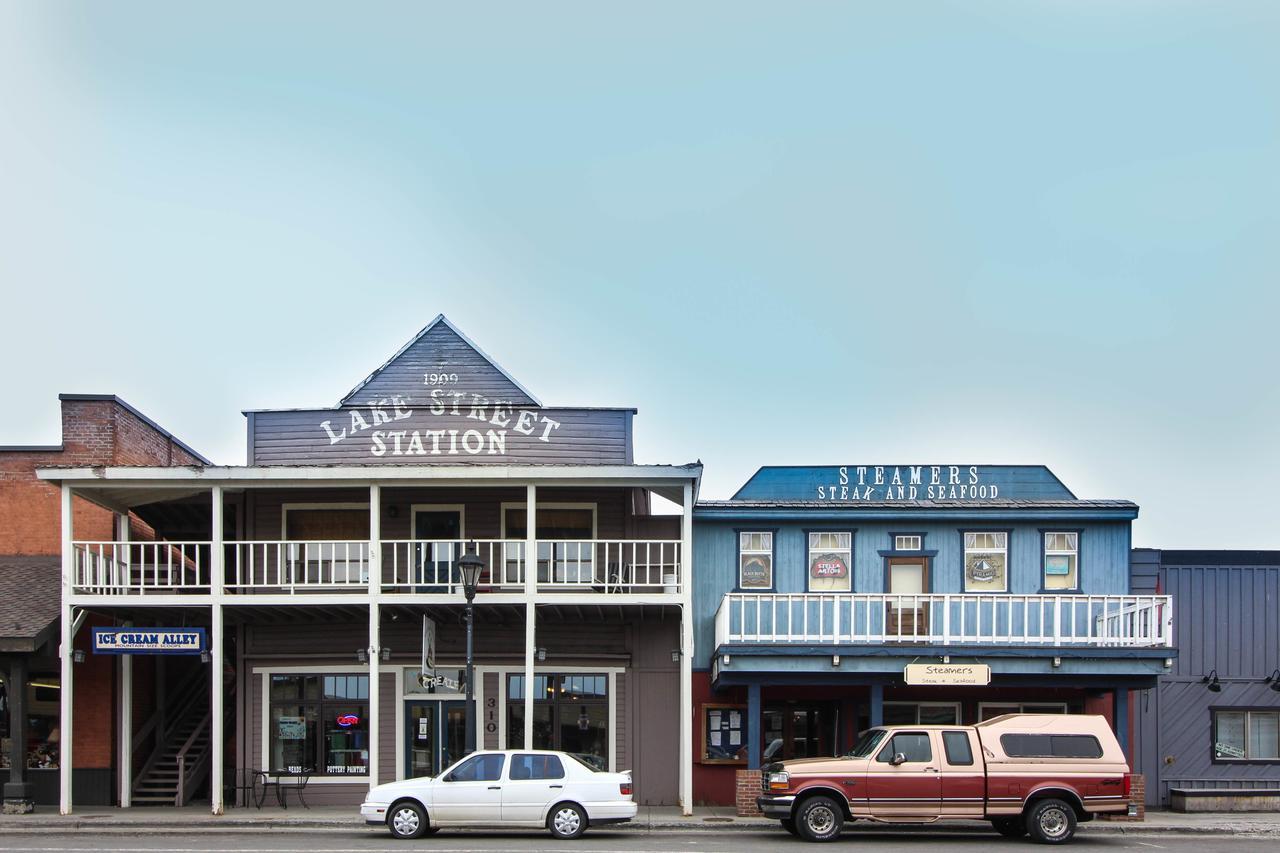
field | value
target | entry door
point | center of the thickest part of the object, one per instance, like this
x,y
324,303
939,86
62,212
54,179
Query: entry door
x,y
912,789
435,563
435,736
906,615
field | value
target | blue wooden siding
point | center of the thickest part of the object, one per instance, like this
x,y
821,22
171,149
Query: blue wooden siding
x,y
1103,560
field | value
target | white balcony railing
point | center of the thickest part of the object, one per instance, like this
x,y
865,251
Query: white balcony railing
x,y
613,566
134,568
952,620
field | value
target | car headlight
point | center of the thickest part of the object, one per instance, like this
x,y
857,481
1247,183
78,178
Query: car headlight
x,y
779,781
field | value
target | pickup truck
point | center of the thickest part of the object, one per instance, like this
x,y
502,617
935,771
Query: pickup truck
x,y
1029,774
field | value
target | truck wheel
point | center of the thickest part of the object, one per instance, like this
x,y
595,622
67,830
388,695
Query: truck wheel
x,y
789,825
1051,821
1009,827
819,819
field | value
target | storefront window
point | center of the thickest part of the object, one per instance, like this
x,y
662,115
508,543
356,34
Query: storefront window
x,y
43,735
1061,554
571,714
985,562
922,713
319,724
755,561
991,710
1246,735
830,562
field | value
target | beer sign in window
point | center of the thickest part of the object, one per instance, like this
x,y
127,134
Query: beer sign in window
x,y
755,560
830,562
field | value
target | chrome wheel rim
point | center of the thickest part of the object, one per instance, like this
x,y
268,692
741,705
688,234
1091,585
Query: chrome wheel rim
x,y
405,821
1053,822
820,820
566,821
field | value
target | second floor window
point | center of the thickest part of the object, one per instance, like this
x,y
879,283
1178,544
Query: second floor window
x,y
986,562
830,562
755,561
1061,554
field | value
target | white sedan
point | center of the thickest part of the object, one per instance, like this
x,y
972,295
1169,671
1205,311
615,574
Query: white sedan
x,y
516,787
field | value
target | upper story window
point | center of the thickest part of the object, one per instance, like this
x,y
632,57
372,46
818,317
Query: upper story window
x,y
986,561
1246,735
1061,557
830,562
907,543
755,560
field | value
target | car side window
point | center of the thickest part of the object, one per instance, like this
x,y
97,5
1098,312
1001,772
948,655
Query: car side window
x,y
914,745
959,751
536,767
478,768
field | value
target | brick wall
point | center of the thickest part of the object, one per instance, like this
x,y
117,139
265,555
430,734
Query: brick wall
x,y
1137,797
747,789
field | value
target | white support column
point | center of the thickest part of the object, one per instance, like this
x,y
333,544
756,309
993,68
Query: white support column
x,y
375,643
217,715
686,653
68,569
530,618
125,756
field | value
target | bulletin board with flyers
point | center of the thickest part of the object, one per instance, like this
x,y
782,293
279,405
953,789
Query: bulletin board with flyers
x,y
724,734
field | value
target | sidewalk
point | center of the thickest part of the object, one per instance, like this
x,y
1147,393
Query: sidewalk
x,y
650,819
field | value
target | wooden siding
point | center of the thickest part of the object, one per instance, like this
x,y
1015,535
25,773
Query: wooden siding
x,y
583,436
438,349
1103,560
1226,619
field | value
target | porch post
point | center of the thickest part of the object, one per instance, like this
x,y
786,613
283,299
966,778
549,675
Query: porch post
x,y
531,609
18,796
1120,716
125,753
753,727
217,585
877,705
68,625
686,652
375,645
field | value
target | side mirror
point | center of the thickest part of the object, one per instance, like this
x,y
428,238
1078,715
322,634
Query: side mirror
x,y
898,758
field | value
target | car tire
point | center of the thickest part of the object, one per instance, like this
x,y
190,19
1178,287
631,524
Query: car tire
x,y
1009,827
789,825
407,820
819,819
567,821
1051,821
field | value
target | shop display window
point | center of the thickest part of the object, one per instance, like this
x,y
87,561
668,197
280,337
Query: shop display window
x,y
830,562
1246,735
318,724
43,734
986,561
570,714
755,560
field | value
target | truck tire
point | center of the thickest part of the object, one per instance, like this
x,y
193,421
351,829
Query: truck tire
x,y
819,819
1051,821
1009,827
789,825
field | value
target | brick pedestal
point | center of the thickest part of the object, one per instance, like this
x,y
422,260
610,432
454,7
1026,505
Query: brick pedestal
x,y
1137,798
748,788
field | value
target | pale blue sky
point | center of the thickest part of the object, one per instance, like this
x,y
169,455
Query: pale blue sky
x,y
789,233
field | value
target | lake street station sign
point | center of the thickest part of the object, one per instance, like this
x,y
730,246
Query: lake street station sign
x,y
148,641
950,674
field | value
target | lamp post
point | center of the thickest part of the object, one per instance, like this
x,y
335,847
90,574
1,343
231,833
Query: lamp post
x,y
470,565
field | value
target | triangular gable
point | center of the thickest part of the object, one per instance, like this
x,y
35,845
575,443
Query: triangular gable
x,y
439,358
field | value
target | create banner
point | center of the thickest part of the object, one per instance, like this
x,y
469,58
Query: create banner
x,y
148,641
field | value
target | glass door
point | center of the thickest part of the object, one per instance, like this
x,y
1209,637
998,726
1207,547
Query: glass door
x,y
435,735
438,533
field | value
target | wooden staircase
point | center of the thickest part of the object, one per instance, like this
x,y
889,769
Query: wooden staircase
x,y
179,765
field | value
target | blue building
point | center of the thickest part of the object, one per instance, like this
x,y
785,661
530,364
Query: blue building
x,y
830,599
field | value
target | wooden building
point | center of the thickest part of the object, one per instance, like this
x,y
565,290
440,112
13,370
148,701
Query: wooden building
x,y
321,582
830,599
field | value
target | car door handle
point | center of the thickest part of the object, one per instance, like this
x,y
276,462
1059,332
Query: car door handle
x,y
555,786
495,787
931,770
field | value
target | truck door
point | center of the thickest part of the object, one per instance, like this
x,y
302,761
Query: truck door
x,y
963,780
903,782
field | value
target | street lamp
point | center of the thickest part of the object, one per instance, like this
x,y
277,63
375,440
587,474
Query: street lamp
x,y
470,565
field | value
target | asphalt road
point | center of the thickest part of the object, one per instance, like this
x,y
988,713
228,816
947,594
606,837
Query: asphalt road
x,y
594,842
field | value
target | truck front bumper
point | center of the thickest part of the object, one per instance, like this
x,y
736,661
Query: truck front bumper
x,y
777,807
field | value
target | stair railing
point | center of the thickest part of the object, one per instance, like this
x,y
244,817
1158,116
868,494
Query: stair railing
x,y
199,761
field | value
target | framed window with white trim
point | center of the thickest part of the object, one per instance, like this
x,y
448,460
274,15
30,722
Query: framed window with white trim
x,y
990,710
986,558
1061,560
921,713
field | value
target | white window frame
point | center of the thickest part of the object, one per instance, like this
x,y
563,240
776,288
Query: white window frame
x,y
1004,552
264,709
808,557
771,550
460,509
591,505
918,705
983,706
1046,554
286,508
900,538
611,671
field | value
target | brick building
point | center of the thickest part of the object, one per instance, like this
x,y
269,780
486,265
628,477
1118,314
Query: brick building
x,y
97,430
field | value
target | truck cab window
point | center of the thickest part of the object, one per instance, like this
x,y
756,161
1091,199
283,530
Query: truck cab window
x,y
914,745
956,745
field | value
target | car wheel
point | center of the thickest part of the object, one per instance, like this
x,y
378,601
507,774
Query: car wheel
x,y
1009,827
1051,821
407,820
567,821
789,825
819,819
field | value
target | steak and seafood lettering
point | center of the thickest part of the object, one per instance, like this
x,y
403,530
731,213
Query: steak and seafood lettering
x,y
907,483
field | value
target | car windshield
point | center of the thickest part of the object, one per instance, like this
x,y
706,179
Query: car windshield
x,y
866,744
